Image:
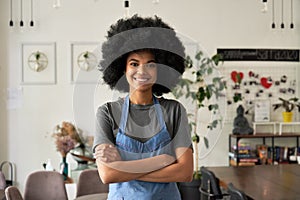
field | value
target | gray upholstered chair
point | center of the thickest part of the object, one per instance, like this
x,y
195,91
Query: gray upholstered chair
x,y
89,182
2,185
46,185
13,193
236,194
210,188
2,181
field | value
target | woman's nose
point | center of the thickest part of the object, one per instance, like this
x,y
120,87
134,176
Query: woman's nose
x,y
141,69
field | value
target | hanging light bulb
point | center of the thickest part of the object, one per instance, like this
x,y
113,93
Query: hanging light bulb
x,y
21,14
273,14
126,6
11,22
265,7
282,24
292,15
31,23
56,4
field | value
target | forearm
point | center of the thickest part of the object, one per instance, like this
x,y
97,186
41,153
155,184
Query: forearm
x,y
120,171
180,171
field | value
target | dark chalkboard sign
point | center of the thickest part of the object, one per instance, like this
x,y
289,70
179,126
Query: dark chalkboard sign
x,y
289,55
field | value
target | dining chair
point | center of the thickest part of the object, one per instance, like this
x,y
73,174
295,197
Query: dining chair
x,y
89,182
46,185
236,194
2,181
210,188
13,193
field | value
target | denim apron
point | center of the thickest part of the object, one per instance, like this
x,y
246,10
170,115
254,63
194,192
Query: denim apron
x,y
131,149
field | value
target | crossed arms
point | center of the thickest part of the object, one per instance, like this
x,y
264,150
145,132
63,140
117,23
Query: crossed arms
x,y
161,168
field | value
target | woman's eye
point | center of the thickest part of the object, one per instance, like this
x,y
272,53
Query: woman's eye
x,y
134,64
150,65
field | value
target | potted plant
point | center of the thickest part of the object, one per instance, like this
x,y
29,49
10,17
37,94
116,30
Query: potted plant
x,y
288,105
195,89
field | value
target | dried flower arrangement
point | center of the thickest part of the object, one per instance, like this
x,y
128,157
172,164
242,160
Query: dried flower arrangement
x,y
66,138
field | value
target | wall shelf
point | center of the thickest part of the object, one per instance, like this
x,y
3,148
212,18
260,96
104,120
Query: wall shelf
x,y
262,136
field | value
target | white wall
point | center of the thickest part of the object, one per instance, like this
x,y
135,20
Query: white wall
x,y
24,132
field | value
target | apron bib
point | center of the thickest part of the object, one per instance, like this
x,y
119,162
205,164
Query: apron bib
x,y
131,149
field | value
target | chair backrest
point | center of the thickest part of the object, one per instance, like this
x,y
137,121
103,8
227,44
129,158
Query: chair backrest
x,y
210,188
2,181
46,185
13,193
236,194
89,182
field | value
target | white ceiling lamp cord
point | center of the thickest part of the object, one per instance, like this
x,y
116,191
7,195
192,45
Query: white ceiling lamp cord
x,y
11,22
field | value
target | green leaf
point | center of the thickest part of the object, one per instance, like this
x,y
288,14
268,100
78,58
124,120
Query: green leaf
x,y
196,138
199,55
206,142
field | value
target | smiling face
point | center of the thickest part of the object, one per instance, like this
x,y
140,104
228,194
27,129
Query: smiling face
x,y
141,71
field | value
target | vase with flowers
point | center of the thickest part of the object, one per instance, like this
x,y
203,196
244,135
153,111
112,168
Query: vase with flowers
x,y
66,139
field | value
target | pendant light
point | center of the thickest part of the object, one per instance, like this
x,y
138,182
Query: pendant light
x,y
126,6
11,22
292,23
56,4
21,15
273,14
282,24
265,6
31,23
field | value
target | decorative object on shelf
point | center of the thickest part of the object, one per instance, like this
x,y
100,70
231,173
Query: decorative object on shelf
x,y
240,124
37,61
87,61
288,105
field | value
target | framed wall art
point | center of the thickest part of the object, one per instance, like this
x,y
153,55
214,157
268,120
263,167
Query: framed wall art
x,y
38,63
85,58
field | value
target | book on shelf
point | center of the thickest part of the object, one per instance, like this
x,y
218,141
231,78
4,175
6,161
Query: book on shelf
x,y
235,163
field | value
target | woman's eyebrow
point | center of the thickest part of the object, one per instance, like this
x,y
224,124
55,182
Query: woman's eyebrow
x,y
150,61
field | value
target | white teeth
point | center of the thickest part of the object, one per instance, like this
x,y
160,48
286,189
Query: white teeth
x,y
141,79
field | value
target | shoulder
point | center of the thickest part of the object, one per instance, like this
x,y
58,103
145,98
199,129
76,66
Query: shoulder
x,y
171,105
110,106
169,102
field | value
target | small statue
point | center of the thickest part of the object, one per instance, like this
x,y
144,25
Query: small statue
x,y
240,124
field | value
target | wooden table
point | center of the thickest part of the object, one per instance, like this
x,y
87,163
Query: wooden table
x,y
263,181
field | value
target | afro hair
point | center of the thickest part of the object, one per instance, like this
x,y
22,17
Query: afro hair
x,y
135,34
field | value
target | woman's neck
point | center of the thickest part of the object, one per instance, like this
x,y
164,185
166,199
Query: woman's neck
x,y
141,98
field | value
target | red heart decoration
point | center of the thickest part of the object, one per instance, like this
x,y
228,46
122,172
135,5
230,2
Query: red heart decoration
x,y
237,76
265,82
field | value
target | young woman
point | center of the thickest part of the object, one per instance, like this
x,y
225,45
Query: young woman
x,y
142,143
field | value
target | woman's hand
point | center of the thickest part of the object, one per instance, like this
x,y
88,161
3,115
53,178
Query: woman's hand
x,y
107,153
